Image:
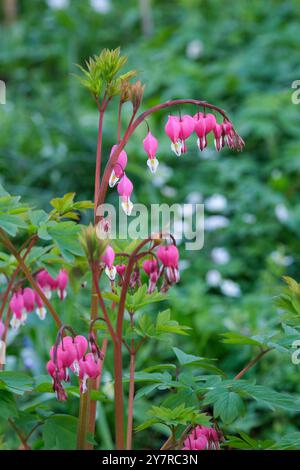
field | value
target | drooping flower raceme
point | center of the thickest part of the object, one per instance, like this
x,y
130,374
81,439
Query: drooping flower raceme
x,y
202,438
71,354
125,188
150,144
108,259
119,167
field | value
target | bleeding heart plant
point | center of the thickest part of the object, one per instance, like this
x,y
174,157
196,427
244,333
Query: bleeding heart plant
x,y
136,276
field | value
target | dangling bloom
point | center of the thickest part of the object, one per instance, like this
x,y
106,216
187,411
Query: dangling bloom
x,y
200,129
89,367
108,259
58,374
46,282
150,266
16,305
119,167
121,268
169,256
67,352
218,133
230,137
187,126
150,144
61,283
172,129
40,310
210,122
125,188
28,299
202,438
103,228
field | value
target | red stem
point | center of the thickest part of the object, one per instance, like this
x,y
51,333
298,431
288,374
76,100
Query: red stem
x,y
130,397
98,160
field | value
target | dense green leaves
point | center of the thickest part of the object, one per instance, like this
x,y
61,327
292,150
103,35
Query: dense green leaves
x,y
16,382
59,432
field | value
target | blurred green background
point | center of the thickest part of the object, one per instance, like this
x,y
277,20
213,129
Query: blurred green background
x,y
242,56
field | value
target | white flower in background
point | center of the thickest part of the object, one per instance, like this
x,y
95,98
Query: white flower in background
x,y
215,222
220,255
165,173
207,153
276,174
188,210
168,191
281,259
101,6
108,386
216,203
194,197
230,288
183,264
213,278
249,218
58,4
194,49
180,227
281,212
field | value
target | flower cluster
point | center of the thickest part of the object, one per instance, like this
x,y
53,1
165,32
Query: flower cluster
x,y
26,300
202,438
48,284
168,255
178,129
118,176
71,354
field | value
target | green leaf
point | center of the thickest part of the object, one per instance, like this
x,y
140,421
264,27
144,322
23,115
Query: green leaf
x,y
229,406
16,382
63,204
65,236
37,217
246,442
59,432
185,359
237,338
11,223
8,408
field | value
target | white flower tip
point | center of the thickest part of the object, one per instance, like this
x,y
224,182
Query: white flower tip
x,y
127,206
41,313
177,147
152,164
113,180
62,294
111,272
15,323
